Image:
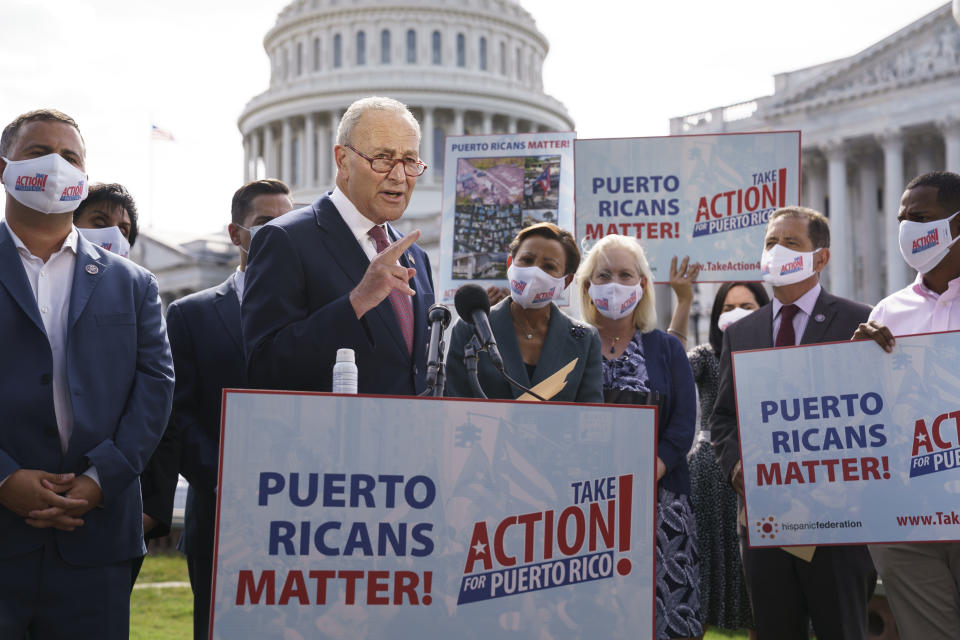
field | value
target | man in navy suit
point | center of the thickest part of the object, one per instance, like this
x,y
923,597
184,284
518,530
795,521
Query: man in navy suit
x,y
204,330
85,390
830,589
337,274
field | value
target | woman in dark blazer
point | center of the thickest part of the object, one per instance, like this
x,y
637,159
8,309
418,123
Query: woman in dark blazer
x,y
643,365
535,338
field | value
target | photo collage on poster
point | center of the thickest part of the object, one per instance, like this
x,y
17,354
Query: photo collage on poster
x,y
495,199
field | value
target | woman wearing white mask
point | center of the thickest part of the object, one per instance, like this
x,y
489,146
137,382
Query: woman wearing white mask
x,y
643,365
535,338
723,596
108,218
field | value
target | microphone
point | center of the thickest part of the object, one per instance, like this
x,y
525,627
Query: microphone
x,y
438,317
473,305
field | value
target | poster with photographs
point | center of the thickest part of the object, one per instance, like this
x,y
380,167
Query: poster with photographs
x,y
494,186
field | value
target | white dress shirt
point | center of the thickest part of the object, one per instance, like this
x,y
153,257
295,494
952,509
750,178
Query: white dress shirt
x,y
805,303
917,309
52,282
359,224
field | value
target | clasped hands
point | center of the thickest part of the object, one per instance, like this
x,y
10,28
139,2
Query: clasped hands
x,y
46,499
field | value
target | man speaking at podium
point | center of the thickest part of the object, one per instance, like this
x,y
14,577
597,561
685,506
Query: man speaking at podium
x,y
336,273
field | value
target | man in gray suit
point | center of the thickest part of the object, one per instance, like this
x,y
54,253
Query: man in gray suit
x,y
788,592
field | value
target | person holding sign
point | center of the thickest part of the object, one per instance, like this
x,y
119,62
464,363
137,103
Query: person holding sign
x,y
787,591
337,273
643,365
922,581
535,338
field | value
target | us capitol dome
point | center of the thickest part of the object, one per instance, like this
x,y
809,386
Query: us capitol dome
x,y
462,66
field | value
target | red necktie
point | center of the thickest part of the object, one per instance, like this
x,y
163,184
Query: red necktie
x,y
786,337
402,305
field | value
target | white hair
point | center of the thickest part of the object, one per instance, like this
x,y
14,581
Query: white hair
x,y
373,103
645,313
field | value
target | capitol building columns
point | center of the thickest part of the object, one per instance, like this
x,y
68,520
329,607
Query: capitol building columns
x,y
893,183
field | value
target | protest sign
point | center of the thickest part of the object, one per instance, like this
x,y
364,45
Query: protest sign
x,y
705,196
494,186
844,443
355,516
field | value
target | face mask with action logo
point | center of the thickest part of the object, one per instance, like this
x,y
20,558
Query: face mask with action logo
x,y
780,266
614,300
109,238
532,287
727,318
48,184
924,245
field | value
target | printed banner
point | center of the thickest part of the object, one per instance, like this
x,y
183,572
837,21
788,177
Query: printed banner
x,y
705,196
845,443
494,186
354,516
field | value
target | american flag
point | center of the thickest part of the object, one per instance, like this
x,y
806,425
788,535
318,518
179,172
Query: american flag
x,y
157,133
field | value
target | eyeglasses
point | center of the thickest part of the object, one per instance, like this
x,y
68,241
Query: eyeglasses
x,y
412,168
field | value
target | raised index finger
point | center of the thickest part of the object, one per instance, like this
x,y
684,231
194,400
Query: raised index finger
x,y
394,251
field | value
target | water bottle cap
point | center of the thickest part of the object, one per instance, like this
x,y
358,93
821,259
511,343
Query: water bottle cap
x,y
345,355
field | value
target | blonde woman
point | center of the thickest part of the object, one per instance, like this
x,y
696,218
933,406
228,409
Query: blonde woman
x,y
643,365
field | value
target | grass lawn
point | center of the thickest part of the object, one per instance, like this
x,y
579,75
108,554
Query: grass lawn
x,y
162,614
167,614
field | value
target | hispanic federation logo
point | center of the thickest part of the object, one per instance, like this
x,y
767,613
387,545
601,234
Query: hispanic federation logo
x,y
768,528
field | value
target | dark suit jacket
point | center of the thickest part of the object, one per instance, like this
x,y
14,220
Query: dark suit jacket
x,y
296,309
121,384
841,318
204,330
566,339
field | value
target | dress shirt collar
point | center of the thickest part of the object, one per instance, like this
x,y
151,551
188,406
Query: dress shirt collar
x,y
806,302
238,283
359,224
70,242
921,289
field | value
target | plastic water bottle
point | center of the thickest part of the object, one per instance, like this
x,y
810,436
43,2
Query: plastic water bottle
x,y
345,372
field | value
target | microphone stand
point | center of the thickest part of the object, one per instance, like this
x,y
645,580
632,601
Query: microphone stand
x,y
471,352
471,355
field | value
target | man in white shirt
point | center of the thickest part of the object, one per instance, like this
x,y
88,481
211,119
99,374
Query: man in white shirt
x,y
788,592
85,390
922,581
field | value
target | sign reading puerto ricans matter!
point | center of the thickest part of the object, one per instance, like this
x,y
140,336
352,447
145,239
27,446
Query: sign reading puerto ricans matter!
x,y
494,186
356,516
844,443
704,196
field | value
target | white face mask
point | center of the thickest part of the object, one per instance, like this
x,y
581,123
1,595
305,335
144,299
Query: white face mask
x,y
614,300
48,184
253,230
924,244
780,266
727,318
109,238
532,287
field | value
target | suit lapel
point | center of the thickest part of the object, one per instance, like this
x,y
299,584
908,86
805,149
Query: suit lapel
x,y
86,275
228,308
342,247
14,279
502,325
553,347
764,315
820,319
